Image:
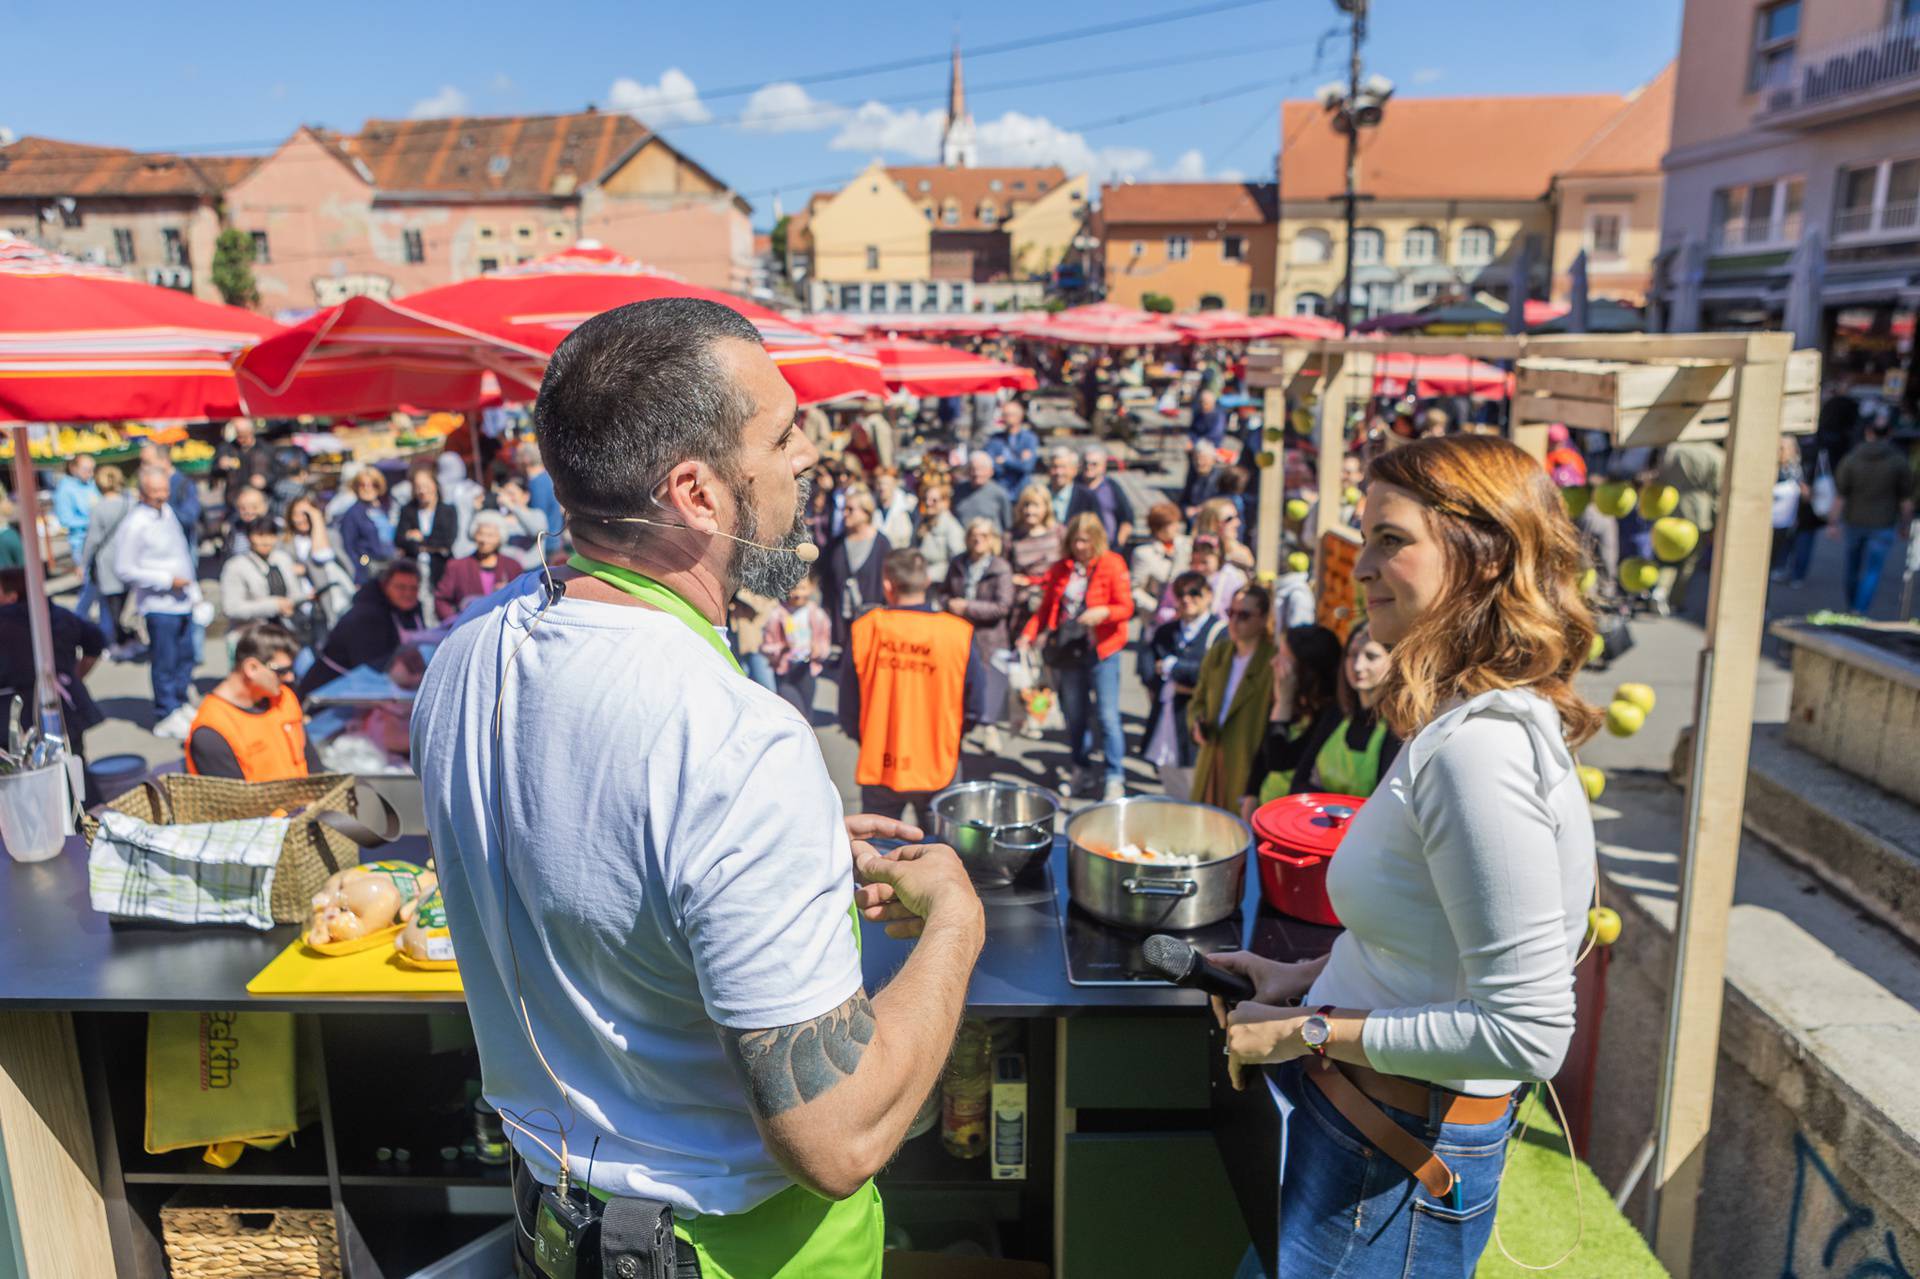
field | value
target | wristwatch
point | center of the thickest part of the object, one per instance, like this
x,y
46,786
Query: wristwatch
x,y
1317,1032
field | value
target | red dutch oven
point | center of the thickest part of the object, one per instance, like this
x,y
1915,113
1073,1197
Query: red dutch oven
x,y
1297,835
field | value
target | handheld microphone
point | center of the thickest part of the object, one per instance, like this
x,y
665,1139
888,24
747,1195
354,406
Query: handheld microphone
x,y
806,551
1181,964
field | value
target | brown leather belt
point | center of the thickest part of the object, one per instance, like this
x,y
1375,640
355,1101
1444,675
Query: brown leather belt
x,y
1349,1087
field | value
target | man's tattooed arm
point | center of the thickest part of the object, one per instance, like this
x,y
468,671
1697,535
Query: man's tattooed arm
x,y
788,1066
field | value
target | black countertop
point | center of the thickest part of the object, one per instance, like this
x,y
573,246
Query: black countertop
x,y
57,953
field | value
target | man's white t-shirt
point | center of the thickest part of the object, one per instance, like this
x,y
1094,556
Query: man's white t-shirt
x,y
678,860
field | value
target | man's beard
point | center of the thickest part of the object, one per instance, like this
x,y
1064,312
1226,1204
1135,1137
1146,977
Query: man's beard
x,y
764,571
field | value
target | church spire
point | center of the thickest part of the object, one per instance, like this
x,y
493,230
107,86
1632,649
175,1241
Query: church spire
x,y
958,150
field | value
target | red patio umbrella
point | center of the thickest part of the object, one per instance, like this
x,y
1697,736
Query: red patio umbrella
x,y
81,343
1099,324
1430,375
538,303
927,368
1231,326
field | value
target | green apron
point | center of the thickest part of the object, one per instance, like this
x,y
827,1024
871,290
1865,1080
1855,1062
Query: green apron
x,y
796,1233
1345,771
1280,781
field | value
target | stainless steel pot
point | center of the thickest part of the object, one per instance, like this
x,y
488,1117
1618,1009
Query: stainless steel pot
x,y
1002,830
1157,896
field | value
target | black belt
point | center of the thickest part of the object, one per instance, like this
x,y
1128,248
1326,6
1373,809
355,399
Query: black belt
x,y
611,1247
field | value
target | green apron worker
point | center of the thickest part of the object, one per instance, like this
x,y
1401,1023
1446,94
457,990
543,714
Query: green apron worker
x,y
1306,672
646,869
1345,750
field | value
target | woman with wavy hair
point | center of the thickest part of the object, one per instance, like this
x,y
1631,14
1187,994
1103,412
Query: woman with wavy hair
x,y
1463,883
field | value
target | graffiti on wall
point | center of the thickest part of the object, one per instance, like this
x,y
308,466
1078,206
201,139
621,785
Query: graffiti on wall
x,y
1829,1235
331,290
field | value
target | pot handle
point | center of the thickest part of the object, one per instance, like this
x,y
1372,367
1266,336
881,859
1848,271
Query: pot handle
x,y
1160,887
1289,859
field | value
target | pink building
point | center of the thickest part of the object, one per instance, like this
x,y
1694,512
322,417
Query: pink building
x,y
409,204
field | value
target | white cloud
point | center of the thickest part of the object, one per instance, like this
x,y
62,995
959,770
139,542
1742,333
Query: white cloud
x,y
1230,175
785,107
6,135
1013,138
1428,75
501,83
674,100
1190,167
449,101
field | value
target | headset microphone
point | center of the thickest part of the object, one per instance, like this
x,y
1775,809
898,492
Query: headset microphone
x,y
806,551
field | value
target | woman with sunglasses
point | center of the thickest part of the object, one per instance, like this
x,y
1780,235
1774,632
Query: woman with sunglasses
x,y
1463,882
1228,713
1220,520
250,726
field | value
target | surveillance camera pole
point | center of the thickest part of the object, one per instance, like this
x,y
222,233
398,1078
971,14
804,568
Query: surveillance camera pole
x,y
1357,13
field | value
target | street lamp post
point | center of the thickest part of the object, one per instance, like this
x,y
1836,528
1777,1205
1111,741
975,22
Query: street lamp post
x,y
1354,107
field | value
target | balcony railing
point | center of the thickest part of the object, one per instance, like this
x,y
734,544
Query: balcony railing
x,y
1835,76
1737,236
1892,218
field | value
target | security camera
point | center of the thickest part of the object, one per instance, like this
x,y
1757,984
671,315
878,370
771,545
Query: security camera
x,y
1378,86
1330,94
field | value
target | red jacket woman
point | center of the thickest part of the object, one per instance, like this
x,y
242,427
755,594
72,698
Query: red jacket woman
x,y
1090,586
1109,586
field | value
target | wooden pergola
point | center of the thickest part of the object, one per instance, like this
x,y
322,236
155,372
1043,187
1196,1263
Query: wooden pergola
x,y
1642,390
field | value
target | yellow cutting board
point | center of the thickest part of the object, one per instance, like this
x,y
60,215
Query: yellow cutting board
x,y
302,970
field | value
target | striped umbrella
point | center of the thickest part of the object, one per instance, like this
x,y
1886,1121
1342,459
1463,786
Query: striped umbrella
x,y
82,343
1099,324
927,368
536,304
1231,326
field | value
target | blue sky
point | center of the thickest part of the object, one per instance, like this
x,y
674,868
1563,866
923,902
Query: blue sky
x,y
728,82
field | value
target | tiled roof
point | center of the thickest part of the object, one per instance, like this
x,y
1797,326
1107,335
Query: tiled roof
x,y
1443,148
968,187
39,168
1208,202
502,157
1635,138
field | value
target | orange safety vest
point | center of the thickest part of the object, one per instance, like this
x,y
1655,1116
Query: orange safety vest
x,y
912,668
270,744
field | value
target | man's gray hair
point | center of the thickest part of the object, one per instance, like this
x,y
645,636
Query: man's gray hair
x,y
634,392
1069,454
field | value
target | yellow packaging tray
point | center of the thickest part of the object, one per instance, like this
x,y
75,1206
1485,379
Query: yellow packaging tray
x,y
302,970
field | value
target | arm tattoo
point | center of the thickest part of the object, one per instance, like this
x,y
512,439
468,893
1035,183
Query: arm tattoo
x,y
789,1065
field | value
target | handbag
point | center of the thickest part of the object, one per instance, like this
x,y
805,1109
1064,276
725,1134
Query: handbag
x,y
217,850
1070,646
1616,638
1824,490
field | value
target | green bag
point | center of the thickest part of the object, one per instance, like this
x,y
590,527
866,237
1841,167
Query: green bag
x,y
220,1079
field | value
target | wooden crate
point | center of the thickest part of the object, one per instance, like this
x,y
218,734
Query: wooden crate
x,y
1653,404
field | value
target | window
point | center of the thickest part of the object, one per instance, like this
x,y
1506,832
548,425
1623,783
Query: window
x,y
1258,303
69,215
850,295
1426,291
925,185
927,209
123,245
413,246
993,184
1368,246
173,247
876,297
1378,298
957,296
261,253
1776,29
989,214
929,296
950,212
1312,247
1878,199
1605,232
1764,214
489,264
1139,247
1020,184
1040,185
873,257
1177,246
523,233
1212,302
522,258
1420,245
483,232
1234,248
1905,11
557,233
1475,247
1309,304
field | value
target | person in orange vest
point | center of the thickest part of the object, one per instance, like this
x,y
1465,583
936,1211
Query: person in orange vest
x,y
251,725
910,671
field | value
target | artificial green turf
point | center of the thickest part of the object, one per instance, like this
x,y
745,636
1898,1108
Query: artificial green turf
x,y
1538,1221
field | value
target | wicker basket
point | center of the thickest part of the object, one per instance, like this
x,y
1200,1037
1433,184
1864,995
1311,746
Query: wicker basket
x,y
242,1243
329,841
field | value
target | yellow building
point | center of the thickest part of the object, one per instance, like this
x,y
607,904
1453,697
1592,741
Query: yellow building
x,y
1453,189
1606,200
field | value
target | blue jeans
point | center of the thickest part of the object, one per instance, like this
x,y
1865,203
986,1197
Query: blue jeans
x,y
171,660
1087,692
1800,558
1866,555
759,670
1349,1212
